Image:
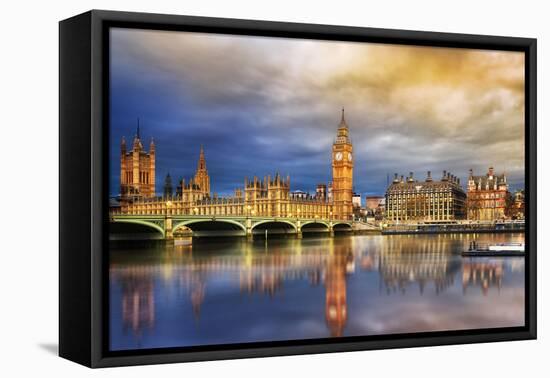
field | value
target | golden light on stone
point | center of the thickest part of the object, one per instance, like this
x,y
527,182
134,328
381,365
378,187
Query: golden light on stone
x,y
269,197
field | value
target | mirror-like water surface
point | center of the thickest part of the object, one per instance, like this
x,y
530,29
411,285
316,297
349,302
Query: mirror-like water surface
x,y
220,291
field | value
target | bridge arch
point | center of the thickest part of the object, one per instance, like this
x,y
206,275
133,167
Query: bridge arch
x,y
153,225
189,222
274,221
342,226
315,222
315,227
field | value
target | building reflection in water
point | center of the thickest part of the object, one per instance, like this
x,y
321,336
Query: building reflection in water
x,y
405,262
138,300
484,273
401,263
336,312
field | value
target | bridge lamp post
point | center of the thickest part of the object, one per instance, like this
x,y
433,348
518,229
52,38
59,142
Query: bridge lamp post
x,y
248,210
168,206
195,210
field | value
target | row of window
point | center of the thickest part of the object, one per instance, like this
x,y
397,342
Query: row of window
x,y
487,195
128,177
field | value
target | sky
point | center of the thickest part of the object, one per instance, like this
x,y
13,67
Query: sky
x,y
261,105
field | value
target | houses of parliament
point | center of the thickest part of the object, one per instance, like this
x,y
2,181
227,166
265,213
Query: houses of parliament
x,y
270,196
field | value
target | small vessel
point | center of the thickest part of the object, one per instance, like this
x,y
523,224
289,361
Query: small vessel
x,y
500,249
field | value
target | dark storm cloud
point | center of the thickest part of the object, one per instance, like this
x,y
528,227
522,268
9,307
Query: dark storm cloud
x,y
261,105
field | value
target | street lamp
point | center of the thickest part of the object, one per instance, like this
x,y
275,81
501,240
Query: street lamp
x,y
195,210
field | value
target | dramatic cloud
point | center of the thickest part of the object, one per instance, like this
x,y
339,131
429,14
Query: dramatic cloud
x,y
260,105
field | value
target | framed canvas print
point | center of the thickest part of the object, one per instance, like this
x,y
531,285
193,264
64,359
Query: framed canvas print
x,y
234,188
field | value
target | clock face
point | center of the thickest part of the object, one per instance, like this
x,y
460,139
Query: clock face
x,y
350,158
338,156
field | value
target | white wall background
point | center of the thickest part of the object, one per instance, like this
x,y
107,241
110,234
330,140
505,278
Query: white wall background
x,y
29,186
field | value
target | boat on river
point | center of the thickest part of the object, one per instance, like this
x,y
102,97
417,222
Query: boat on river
x,y
501,249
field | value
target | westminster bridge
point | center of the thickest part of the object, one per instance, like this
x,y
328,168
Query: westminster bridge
x,y
163,226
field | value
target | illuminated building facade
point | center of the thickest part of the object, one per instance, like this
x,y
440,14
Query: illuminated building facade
x,y
342,172
375,206
201,179
268,197
356,200
487,196
410,200
137,170
321,192
374,202
518,207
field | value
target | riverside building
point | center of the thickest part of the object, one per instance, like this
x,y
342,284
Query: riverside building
x,y
409,200
487,195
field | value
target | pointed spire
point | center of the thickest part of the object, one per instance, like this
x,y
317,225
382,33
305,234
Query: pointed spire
x,y
343,120
202,161
342,136
137,142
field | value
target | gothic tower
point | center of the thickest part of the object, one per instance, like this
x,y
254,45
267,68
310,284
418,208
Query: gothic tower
x,y
342,173
201,176
137,169
168,190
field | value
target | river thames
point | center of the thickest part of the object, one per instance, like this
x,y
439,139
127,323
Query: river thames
x,y
219,291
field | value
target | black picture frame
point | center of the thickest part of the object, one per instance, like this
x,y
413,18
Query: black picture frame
x,y
83,209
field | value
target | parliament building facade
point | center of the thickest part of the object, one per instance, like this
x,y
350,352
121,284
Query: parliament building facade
x,y
270,196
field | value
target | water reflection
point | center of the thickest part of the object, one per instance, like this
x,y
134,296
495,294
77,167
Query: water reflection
x,y
137,299
404,262
236,291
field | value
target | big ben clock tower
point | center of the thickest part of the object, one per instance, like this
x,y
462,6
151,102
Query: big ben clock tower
x,y
342,173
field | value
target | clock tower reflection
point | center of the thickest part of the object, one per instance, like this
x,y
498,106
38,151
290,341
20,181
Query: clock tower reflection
x,y
336,312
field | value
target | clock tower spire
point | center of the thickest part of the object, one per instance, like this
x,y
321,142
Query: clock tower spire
x,y
342,172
